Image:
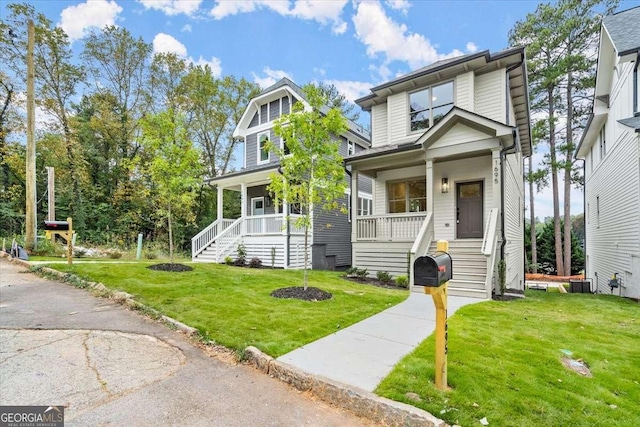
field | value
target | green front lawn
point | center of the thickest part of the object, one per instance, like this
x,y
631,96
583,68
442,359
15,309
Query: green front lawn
x,y
504,364
232,305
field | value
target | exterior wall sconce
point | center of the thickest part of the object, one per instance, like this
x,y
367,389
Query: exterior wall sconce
x,y
445,185
267,201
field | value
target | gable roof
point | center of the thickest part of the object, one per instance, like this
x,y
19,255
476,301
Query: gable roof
x,y
624,30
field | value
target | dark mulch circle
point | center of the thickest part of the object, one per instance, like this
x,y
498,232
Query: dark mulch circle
x,y
178,268
298,292
374,282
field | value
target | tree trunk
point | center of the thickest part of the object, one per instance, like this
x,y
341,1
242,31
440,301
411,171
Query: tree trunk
x,y
534,249
170,235
567,177
554,183
306,255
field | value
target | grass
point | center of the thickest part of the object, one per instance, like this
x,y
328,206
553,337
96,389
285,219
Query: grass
x,y
504,364
232,305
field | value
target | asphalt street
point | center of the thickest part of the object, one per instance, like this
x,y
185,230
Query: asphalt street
x,y
110,366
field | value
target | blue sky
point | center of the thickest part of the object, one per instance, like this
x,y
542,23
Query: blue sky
x,y
352,44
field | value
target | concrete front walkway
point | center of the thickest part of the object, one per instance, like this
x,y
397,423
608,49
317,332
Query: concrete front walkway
x,y
363,354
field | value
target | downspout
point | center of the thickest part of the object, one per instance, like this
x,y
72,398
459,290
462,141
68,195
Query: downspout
x,y
636,89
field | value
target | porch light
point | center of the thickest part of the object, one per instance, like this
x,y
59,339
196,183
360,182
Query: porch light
x,y
267,201
445,185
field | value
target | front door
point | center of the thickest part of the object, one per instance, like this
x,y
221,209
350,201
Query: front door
x,y
469,209
257,206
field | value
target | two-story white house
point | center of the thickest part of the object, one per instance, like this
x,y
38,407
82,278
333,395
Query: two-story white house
x,y
610,146
446,161
263,230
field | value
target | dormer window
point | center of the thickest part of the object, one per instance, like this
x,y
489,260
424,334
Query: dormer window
x,y
428,106
263,152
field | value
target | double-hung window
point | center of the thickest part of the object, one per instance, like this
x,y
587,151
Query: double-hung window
x,y
364,206
407,196
428,106
351,148
263,152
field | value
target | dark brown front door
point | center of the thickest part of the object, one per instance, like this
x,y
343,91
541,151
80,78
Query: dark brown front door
x,y
469,209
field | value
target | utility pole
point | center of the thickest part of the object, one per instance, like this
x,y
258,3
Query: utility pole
x,y
51,193
30,239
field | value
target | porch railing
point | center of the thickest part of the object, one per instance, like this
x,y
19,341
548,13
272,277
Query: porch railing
x,y
272,224
489,246
228,238
392,227
421,244
203,239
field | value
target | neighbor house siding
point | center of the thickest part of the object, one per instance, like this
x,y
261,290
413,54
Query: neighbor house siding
x,y
379,125
334,230
490,95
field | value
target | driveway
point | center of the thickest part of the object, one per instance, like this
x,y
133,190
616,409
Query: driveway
x,y
110,366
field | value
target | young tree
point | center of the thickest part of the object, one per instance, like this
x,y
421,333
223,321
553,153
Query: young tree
x,y
173,166
312,175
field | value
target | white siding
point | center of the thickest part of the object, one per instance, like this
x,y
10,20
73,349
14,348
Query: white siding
x,y
398,118
490,95
464,91
391,258
513,212
444,204
380,185
379,130
459,134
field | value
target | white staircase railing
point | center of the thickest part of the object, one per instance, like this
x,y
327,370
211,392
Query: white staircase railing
x,y
204,238
228,238
421,243
489,246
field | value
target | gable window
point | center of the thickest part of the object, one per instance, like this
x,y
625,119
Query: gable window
x,y
603,142
263,152
407,196
428,106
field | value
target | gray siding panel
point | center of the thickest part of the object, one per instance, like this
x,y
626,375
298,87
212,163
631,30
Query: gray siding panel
x,y
254,120
285,105
337,236
251,150
274,110
365,184
263,114
259,191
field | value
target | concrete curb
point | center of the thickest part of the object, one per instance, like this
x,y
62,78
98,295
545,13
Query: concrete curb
x,y
360,402
120,297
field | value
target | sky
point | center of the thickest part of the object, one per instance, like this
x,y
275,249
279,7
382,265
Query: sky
x,y
352,44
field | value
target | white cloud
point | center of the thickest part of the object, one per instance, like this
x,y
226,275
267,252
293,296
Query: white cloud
x,y
352,90
164,43
471,47
172,7
186,29
383,36
270,77
214,63
322,11
320,71
77,20
401,5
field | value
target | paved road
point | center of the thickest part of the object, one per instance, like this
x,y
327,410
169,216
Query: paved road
x,y
111,366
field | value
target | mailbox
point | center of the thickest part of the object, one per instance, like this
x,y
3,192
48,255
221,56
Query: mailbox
x,y
56,225
432,270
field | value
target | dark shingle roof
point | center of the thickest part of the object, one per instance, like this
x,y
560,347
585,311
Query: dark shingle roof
x,y
633,122
624,29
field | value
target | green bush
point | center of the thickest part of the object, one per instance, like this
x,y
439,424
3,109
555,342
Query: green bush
x,y
255,263
228,260
115,254
402,281
362,273
46,248
384,277
352,271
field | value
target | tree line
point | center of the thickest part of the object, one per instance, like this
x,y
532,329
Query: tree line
x,y
131,135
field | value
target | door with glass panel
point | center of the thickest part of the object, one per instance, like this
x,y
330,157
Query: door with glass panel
x,y
469,209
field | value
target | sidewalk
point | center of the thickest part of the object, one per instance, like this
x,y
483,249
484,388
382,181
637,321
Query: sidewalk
x,y
363,354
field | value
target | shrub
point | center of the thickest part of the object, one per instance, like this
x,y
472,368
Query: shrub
x,y
273,257
228,260
47,248
241,260
502,276
352,271
402,281
384,277
149,254
115,254
362,273
255,263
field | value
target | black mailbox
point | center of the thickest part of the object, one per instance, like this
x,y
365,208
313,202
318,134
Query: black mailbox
x,y
56,225
432,270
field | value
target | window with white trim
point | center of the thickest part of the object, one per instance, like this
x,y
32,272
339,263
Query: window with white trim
x,y
428,106
351,148
407,196
263,152
364,206
603,142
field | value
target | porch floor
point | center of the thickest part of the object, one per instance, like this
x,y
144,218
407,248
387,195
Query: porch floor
x,y
363,354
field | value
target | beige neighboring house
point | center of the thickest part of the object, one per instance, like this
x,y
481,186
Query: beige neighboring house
x,y
610,146
446,161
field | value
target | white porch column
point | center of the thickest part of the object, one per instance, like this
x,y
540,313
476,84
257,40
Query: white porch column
x,y
220,191
354,205
430,184
243,207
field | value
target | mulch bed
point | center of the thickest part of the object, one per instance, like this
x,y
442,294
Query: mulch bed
x,y
298,292
374,282
177,268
